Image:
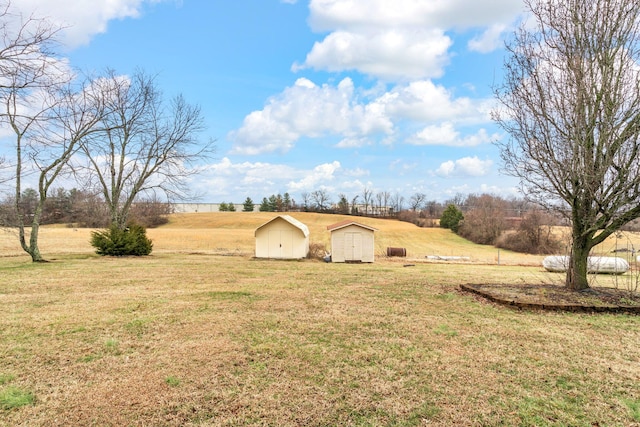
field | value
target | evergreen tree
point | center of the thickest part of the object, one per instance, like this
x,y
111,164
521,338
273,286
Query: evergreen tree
x,y
343,205
451,218
264,206
273,203
248,205
286,201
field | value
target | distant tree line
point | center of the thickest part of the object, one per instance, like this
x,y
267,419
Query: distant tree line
x,y
80,208
509,223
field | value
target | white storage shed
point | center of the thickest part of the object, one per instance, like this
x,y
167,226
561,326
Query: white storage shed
x,y
351,242
283,237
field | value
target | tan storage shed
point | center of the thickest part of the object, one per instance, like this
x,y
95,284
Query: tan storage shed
x,y
283,237
351,242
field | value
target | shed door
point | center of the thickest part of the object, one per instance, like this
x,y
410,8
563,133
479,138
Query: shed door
x,y
352,246
280,244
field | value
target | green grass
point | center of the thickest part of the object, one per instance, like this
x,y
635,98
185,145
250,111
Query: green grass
x,y
634,408
6,378
13,397
172,381
179,339
445,330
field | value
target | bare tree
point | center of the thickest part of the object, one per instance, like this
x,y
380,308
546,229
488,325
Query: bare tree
x,y
416,201
570,102
354,205
343,204
48,131
382,197
458,201
367,200
321,200
147,146
485,220
398,202
47,115
306,201
433,209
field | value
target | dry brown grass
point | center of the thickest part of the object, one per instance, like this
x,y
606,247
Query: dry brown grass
x,y
188,337
234,233
177,339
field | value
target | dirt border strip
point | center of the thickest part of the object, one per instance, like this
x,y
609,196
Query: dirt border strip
x,y
575,308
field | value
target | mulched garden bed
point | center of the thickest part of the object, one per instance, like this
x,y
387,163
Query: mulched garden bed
x,y
559,298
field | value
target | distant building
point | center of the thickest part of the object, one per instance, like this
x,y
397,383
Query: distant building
x,y
368,210
205,207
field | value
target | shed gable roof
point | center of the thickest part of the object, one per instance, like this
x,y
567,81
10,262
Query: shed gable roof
x,y
291,220
346,223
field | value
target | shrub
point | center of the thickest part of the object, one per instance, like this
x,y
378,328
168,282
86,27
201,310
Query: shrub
x,y
451,218
533,236
485,222
317,251
417,218
122,242
150,213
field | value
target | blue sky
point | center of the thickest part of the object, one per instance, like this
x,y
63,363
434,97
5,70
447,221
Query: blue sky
x,y
339,95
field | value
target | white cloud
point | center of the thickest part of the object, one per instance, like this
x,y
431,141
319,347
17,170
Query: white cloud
x,y
226,180
354,142
306,109
425,101
356,172
327,15
229,181
396,54
401,39
488,41
319,177
446,134
83,19
443,134
402,167
314,111
262,133
465,167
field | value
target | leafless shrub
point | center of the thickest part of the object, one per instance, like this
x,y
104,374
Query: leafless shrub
x,y
485,222
317,251
533,236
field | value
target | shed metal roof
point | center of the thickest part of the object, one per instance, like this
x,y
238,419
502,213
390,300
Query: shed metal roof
x,y
347,223
291,220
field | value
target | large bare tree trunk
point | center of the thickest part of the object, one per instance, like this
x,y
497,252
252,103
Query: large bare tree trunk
x,y
576,278
570,103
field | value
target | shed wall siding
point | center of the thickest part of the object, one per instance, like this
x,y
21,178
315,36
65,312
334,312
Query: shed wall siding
x,y
280,239
337,246
352,243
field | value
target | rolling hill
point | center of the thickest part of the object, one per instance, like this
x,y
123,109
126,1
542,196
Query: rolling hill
x,y
234,232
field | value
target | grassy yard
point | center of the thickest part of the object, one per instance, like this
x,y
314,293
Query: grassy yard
x,y
201,334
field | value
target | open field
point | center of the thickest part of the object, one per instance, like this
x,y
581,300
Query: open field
x,y
233,233
194,336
